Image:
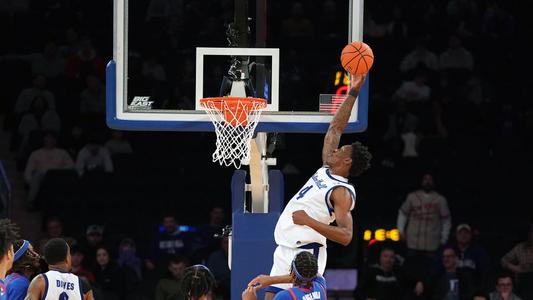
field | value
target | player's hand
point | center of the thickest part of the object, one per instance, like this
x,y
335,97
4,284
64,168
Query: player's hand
x,y
249,294
357,81
260,282
300,217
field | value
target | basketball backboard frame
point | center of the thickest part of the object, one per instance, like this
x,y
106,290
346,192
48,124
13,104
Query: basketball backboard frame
x,y
272,120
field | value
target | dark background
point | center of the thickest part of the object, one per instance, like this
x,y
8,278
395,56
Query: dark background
x,y
483,166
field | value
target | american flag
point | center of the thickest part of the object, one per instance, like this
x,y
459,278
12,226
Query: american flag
x,y
330,103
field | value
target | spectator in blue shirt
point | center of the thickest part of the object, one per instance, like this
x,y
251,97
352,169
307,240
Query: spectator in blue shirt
x,y
472,259
169,241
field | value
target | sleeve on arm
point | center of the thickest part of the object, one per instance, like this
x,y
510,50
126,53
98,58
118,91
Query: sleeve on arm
x,y
444,210
85,286
321,280
406,206
401,222
446,221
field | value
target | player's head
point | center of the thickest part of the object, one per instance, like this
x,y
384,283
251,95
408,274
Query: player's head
x,y
351,159
197,283
57,252
26,260
304,268
360,159
8,234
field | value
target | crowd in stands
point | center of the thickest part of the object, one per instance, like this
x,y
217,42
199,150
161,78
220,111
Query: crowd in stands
x,y
119,267
447,98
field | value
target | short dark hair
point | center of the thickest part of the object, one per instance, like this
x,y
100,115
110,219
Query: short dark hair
x,y
504,274
168,215
306,265
197,281
386,248
76,249
360,159
481,294
8,234
55,251
178,259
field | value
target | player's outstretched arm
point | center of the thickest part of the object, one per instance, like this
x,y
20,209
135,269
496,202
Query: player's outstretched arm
x,y
342,233
340,120
35,289
263,281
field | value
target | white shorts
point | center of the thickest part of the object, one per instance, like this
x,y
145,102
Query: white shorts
x,y
283,257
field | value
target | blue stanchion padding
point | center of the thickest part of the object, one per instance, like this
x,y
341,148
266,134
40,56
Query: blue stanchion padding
x,y
253,234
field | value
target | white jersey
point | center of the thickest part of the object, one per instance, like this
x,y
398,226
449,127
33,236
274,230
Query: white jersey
x,y
314,199
62,286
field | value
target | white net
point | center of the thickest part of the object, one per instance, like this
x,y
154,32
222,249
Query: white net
x,y
235,120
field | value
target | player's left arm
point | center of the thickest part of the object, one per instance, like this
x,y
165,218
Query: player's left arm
x,y
263,281
86,289
340,120
35,289
342,204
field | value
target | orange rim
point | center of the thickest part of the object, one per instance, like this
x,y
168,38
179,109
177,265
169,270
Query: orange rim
x,y
232,102
234,109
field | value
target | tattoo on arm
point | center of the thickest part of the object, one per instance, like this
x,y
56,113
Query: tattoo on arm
x,y
338,124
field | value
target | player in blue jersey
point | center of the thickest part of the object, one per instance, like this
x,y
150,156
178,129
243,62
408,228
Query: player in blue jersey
x,y
307,284
8,234
25,265
304,224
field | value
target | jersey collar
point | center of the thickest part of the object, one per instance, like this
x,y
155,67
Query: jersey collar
x,y
335,177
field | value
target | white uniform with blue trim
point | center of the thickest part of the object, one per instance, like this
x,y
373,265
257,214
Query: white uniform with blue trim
x,y
314,199
62,286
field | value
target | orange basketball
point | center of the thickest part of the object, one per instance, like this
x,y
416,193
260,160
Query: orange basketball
x,y
357,58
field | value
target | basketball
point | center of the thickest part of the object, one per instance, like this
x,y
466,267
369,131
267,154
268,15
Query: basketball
x,y
357,58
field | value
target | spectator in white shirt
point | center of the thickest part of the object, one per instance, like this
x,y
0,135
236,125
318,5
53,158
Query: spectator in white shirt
x,y
94,157
49,157
49,62
117,144
92,99
415,90
421,56
40,117
456,57
25,98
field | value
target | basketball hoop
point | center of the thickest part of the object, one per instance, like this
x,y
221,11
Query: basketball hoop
x,y
235,119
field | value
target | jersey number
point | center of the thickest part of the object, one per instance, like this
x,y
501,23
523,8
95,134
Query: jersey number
x,y
303,191
63,296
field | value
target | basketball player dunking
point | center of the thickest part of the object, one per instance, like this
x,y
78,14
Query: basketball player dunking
x,y
304,224
58,283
